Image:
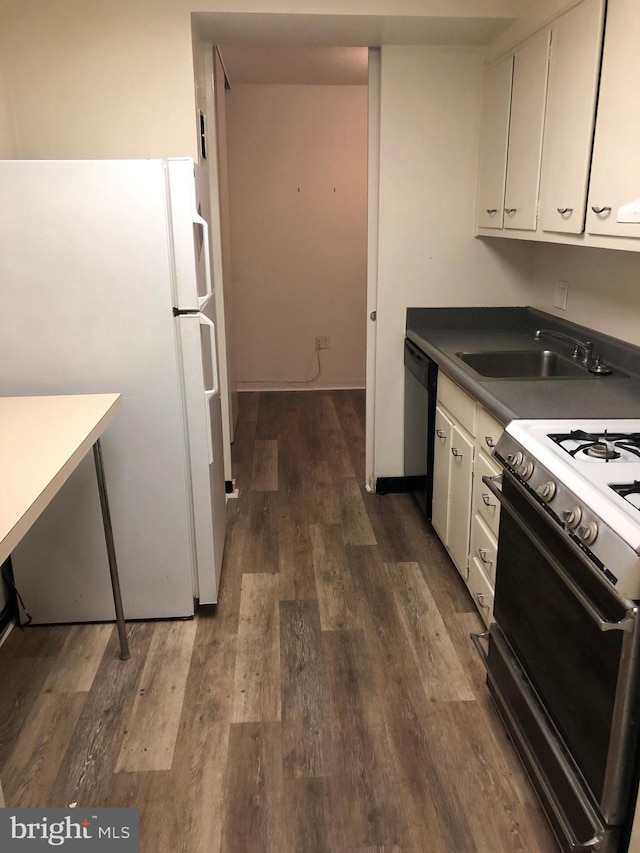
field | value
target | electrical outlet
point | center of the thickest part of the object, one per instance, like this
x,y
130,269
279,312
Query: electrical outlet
x,y
322,341
560,298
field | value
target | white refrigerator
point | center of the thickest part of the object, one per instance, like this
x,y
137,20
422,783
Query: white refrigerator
x,y
104,281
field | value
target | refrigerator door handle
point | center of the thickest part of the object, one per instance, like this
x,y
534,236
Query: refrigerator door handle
x,y
210,392
199,220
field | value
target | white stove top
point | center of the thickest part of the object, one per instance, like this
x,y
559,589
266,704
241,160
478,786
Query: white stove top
x,y
590,478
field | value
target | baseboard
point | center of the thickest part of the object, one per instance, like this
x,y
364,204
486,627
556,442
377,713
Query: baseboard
x,y
356,385
398,485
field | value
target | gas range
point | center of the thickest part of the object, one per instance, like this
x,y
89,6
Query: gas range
x,y
586,474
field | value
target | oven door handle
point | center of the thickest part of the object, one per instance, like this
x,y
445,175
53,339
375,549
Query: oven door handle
x,y
625,624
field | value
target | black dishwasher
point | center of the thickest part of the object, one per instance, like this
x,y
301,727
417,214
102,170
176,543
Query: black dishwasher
x,y
420,385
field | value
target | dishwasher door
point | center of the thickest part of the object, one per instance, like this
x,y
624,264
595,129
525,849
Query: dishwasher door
x,y
420,386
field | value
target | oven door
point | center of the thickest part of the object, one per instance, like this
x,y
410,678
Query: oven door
x,y
566,640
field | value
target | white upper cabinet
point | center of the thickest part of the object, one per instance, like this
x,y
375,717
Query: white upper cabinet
x,y
494,136
576,45
528,98
615,172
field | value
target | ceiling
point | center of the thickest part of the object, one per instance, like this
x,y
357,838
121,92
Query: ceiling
x,y
330,49
260,28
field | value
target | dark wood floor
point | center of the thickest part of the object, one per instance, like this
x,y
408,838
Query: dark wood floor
x,y
330,702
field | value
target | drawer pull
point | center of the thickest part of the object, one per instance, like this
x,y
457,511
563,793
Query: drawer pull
x,y
489,441
563,210
510,210
600,210
492,210
440,434
482,553
455,452
480,597
486,499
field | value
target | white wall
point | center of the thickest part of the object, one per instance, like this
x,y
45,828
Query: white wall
x,y
108,79
604,287
115,79
298,193
430,117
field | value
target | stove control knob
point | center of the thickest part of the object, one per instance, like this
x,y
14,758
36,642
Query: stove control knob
x,y
571,517
515,459
546,490
588,532
525,470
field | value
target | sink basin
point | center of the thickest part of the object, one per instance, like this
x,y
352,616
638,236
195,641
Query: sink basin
x,y
524,364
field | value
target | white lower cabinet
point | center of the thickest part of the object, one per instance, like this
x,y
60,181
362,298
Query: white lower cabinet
x,y
483,547
441,456
465,513
460,480
481,590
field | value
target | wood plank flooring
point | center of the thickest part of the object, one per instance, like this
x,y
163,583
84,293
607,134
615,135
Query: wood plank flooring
x,y
330,703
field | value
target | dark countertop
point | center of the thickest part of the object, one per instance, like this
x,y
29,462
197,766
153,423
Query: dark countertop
x,y
442,332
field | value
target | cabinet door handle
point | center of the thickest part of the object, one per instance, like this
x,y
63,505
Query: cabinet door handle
x,y
510,210
600,210
480,597
486,499
482,553
492,210
563,210
440,434
456,452
489,441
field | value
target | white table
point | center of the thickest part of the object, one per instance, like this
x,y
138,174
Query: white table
x,y
42,441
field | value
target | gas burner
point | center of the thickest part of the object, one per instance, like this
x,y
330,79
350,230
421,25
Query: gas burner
x,y
600,447
602,450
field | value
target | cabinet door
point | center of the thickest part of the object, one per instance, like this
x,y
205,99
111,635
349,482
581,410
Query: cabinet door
x,y
528,99
615,172
494,135
574,67
460,481
441,456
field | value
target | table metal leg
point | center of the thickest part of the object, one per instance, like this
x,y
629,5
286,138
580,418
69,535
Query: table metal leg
x,y
111,551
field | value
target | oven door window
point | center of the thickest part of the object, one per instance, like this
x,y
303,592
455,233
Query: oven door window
x,y
573,665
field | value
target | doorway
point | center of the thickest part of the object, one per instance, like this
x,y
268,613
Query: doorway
x,y
296,134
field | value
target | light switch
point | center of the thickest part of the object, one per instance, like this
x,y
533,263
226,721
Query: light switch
x,y
560,298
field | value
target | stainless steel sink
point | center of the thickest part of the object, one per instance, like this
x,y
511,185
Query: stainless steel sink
x,y
524,364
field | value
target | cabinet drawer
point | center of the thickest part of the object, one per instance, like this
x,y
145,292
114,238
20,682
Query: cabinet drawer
x,y
481,590
484,503
457,402
484,547
488,430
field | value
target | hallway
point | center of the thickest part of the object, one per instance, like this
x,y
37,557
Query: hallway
x,y
332,701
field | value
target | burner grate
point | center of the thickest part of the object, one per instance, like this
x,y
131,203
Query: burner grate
x,y
630,492
605,445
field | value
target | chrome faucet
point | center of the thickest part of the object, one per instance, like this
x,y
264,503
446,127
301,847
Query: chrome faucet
x,y
585,346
